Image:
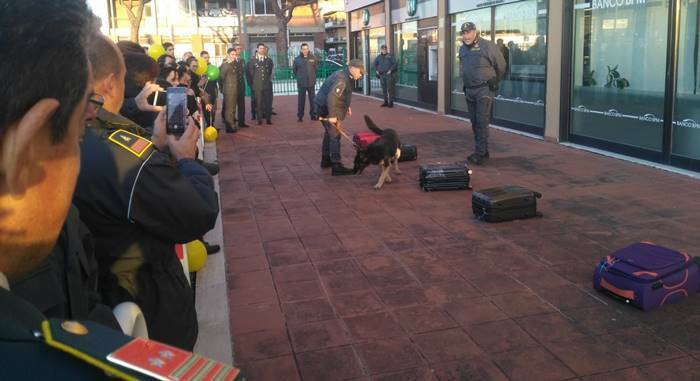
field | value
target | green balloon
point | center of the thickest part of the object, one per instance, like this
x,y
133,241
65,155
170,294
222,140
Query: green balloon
x,y
212,72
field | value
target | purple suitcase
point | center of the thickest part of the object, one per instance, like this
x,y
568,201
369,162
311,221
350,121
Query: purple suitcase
x,y
647,276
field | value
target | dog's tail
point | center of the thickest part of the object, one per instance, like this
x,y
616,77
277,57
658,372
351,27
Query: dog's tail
x,y
373,127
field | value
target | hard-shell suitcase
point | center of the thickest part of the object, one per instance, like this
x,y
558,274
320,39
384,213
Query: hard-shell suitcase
x,y
505,203
363,139
647,276
409,152
435,177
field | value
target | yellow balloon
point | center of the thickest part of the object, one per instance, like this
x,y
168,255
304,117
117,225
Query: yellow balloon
x,y
202,67
155,51
196,255
210,134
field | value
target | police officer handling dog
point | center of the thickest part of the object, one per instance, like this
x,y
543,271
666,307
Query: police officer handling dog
x,y
385,65
332,105
304,69
483,66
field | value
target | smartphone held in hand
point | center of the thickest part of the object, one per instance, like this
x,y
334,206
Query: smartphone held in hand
x,y
176,117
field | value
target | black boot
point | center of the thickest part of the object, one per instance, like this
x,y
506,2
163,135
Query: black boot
x,y
340,170
231,130
242,125
212,168
475,159
212,249
326,162
384,105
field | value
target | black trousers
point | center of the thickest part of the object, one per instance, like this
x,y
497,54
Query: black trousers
x,y
301,104
479,104
263,103
388,89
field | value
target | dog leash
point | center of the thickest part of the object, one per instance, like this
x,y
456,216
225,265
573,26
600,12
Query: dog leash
x,y
340,129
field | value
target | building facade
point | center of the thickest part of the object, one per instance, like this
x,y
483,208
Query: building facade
x,y
617,75
213,25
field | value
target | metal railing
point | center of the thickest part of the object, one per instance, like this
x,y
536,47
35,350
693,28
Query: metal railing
x,y
284,82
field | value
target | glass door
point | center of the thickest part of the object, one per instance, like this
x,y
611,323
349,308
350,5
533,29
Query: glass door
x,y
427,59
358,51
521,36
377,38
685,144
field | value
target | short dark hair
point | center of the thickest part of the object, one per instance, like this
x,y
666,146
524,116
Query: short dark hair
x,y
260,44
104,57
304,44
229,50
140,69
182,70
165,71
129,47
161,60
189,60
58,29
203,52
167,45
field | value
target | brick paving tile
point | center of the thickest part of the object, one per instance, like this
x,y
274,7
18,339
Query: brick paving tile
x,y
329,279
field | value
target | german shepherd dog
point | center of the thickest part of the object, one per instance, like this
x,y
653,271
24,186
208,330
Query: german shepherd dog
x,y
384,152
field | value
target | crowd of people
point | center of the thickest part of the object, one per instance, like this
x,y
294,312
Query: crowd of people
x,y
95,194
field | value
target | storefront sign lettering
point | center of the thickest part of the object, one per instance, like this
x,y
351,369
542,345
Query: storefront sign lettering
x,y
411,7
687,123
607,4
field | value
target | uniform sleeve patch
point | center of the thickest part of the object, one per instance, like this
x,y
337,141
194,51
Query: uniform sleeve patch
x,y
338,91
130,142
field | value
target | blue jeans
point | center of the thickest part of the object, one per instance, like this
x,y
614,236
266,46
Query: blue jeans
x,y
330,147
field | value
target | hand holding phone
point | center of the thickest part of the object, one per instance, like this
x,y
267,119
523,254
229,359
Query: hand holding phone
x,y
176,119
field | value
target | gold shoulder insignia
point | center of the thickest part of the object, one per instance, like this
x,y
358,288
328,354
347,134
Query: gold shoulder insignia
x,y
133,143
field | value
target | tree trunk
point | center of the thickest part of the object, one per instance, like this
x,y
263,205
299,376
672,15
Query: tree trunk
x,y
282,43
135,32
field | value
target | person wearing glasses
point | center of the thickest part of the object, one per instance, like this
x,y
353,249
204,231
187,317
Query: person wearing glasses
x,y
139,198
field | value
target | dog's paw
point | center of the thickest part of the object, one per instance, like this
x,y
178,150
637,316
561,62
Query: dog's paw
x,y
377,186
397,172
388,179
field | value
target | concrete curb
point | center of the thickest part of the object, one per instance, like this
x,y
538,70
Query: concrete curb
x,y
212,294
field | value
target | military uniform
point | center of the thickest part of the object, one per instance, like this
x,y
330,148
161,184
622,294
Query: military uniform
x,y
304,69
64,285
37,349
332,101
138,205
259,71
383,64
483,66
233,88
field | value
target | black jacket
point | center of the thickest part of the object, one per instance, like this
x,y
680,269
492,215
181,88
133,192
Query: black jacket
x,y
259,73
304,69
385,62
24,356
64,285
481,62
138,205
334,96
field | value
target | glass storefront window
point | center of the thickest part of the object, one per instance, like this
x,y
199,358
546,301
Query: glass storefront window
x,y
521,31
482,19
377,38
618,74
686,121
405,49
